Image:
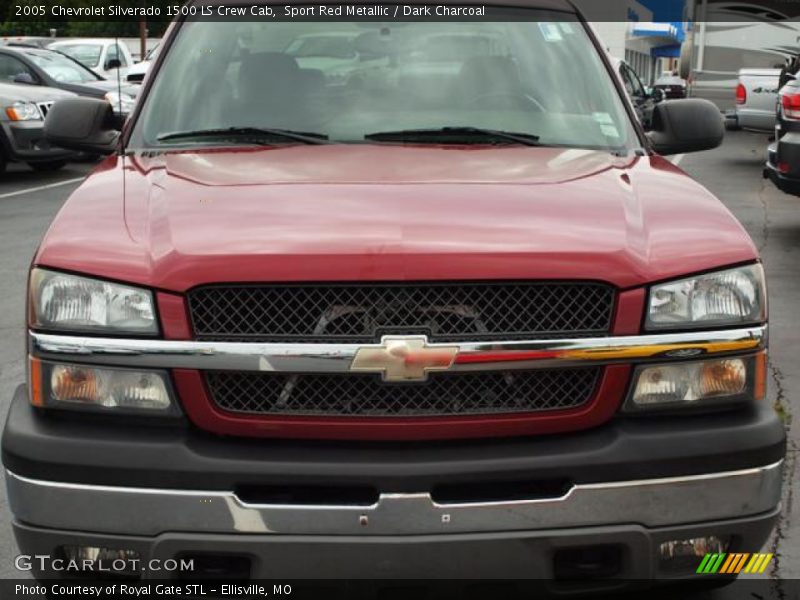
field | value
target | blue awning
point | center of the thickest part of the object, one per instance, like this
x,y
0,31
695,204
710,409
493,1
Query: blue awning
x,y
670,51
666,10
668,32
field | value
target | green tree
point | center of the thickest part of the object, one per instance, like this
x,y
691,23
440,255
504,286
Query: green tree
x,y
13,25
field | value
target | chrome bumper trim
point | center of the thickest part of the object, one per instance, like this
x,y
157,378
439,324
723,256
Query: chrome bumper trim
x,y
146,511
338,358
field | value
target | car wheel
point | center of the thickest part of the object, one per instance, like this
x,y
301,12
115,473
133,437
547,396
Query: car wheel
x,y
47,165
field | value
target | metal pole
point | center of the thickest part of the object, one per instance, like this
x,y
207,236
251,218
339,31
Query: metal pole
x,y
143,38
143,33
701,44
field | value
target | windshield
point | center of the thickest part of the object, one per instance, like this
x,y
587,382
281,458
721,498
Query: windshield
x,y
538,78
671,80
86,54
61,68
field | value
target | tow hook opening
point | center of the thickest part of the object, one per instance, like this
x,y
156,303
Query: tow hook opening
x,y
587,562
499,491
308,495
216,567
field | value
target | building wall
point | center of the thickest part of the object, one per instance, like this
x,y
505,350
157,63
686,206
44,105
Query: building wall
x,y
619,41
612,35
615,35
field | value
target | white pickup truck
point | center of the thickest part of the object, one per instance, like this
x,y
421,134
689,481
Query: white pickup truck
x,y
756,97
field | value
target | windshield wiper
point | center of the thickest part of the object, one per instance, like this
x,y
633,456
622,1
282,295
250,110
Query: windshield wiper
x,y
454,135
260,133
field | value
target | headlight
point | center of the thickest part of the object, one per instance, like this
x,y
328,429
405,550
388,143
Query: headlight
x,y
64,302
105,389
122,103
698,383
730,297
23,111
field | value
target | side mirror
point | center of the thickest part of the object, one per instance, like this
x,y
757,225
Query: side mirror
x,y
83,124
689,125
113,63
24,77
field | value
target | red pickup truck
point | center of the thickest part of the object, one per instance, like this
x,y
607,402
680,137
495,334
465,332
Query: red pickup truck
x,y
423,300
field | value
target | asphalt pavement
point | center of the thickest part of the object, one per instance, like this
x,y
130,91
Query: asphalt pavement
x,y
28,202
772,218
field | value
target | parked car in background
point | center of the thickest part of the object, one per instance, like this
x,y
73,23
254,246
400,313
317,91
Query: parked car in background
x,y
104,56
737,33
756,100
643,98
28,40
137,72
29,66
671,86
783,154
324,51
22,113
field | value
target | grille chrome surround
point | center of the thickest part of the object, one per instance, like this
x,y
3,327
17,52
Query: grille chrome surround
x,y
338,358
362,313
365,395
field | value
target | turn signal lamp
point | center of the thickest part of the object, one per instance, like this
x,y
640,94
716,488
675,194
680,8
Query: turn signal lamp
x,y
83,387
698,383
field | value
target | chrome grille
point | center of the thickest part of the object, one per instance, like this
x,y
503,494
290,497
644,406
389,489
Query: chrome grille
x,y
358,313
362,395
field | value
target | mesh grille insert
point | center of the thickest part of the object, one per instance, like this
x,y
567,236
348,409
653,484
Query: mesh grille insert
x,y
366,395
357,313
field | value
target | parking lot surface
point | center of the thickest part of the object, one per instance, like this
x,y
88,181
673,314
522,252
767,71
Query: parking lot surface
x,y
29,200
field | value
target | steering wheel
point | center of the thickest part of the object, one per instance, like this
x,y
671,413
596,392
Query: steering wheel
x,y
515,96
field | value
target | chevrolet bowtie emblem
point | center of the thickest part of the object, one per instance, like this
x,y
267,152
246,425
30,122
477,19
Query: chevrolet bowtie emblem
x,y
404,358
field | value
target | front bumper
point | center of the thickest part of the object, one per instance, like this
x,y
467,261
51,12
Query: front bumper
x,y
150,511
755,119
511,555
171,492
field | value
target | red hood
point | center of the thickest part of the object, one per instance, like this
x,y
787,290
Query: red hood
x,y
368,212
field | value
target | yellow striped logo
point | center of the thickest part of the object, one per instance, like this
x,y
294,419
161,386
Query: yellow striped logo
x,y
734,563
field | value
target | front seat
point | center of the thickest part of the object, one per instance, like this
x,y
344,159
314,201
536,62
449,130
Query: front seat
x,y
271,91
